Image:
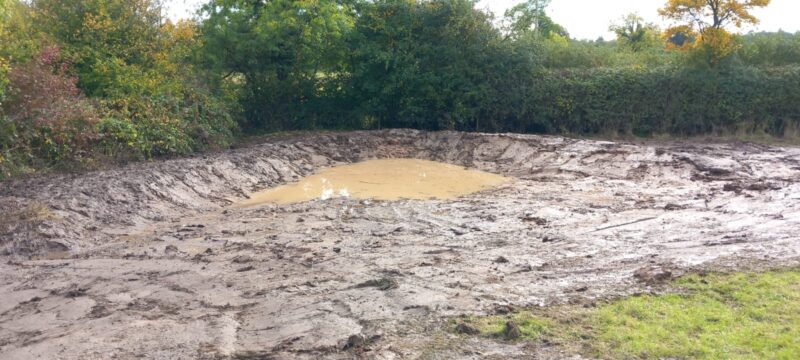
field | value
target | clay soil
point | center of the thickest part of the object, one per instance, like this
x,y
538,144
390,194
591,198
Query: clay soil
x,y
155,260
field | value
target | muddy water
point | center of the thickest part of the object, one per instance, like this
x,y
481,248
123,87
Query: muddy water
x,y
390,179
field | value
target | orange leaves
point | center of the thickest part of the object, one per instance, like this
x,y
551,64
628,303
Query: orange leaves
x,y
718,44
701,24
703,14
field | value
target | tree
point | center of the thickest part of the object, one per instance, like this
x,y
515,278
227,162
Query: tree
x,y
633,33
530,17
3,62
107,41
437,64
136,65
280,51
21,40
703,24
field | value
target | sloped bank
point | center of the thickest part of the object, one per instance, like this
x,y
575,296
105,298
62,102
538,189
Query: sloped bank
x,y
144,193
79,206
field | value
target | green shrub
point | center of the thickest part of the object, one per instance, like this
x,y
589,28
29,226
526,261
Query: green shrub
x,y
136,68
4,68
669,100
146,127
770,49
119,139
153,130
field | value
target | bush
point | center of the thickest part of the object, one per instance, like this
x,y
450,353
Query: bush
x,y
770,49
142,127
4,69
46,116
137,68
669,100
433,65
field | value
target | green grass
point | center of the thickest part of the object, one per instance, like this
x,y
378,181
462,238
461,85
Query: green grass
x,y
532,327
738,316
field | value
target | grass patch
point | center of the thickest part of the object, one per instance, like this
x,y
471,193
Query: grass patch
x,y
533,327
735,316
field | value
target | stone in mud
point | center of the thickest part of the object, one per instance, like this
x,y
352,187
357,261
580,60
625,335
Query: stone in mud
x,y
467,329
549,239
652,275
171,250
501,260
501,309
384,233
242,259
674,207
71,292
382,284
512,331
354,341
459,231
732,187
534,219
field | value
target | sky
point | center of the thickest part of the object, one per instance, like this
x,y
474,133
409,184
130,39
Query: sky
x,y
590,19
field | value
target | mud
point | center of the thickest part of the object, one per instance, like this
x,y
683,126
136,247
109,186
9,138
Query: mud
x,y
156,260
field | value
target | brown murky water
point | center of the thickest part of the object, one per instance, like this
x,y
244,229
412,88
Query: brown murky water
x,y
390,179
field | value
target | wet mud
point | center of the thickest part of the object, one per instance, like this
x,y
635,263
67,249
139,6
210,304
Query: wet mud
x,y
158,260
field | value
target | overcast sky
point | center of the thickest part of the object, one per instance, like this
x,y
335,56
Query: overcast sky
x,y
589,19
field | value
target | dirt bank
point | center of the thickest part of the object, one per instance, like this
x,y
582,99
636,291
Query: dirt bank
x,y
153,261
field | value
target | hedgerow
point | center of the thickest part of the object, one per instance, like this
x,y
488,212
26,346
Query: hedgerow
x,y
121,82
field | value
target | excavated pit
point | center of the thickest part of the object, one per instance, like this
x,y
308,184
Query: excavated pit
x,y
160,260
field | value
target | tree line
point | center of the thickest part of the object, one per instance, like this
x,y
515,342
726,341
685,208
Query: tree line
x,y
87,81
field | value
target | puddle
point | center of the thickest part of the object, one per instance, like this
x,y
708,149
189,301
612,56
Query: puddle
x,y
390,179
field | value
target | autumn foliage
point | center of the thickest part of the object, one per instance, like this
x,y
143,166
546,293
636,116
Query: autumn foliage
x,y
48,113
102,79
702,23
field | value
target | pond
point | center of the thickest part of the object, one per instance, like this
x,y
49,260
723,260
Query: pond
x,y
388,179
